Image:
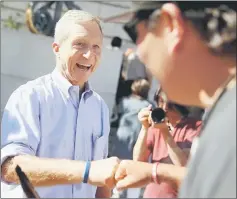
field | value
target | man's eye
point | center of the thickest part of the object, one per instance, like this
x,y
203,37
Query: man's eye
x,y
81,45
96,47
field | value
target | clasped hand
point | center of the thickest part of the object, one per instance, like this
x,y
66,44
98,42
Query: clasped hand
x,y
112,172
126,173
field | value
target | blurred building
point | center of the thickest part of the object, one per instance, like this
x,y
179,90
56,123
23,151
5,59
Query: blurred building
x,y
25,56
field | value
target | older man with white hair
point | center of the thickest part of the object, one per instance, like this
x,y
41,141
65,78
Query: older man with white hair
x,y
56,127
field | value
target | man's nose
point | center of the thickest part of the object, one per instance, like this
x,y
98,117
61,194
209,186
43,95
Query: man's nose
x,y
87,54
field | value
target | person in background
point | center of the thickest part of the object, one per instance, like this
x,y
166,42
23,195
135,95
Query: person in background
x,y
131,69
168,144
56,128
134,68
116,44
196,112
129,126
190,48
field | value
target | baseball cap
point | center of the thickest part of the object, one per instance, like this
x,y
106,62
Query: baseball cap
x,y
150,6
142,10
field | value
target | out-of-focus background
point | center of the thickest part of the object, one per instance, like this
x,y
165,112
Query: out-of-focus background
x,y
26,56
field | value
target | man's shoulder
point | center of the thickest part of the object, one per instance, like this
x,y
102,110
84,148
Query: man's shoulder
x,y
216,151
223,115
31,89
34,85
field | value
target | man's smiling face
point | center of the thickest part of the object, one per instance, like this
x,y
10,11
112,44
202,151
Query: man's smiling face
x,y
80,52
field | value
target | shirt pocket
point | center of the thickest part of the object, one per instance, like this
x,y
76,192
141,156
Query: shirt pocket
x,y
99,148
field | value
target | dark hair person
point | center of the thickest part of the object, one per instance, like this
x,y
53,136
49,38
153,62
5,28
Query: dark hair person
x,y
190,47
170,145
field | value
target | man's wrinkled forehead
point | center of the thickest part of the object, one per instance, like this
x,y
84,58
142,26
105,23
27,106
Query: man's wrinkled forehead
x,y
88,29
76,22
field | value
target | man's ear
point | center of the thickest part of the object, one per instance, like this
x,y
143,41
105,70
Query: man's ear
x,y
175,26
55,47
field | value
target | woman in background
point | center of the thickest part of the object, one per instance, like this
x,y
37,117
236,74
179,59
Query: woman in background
x,y
167,143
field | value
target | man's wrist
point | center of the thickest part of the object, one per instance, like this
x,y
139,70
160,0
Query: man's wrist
x,y
154,173
86,172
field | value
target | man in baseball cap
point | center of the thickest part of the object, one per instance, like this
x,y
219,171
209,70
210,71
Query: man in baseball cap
x,y
190,47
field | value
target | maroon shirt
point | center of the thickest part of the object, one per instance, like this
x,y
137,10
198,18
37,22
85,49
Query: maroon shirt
x,y
184,133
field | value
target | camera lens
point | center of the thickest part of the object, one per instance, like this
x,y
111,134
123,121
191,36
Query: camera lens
x,y
158,115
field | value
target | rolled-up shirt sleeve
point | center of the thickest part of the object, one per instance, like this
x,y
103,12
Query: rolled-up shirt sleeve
x,y
20,128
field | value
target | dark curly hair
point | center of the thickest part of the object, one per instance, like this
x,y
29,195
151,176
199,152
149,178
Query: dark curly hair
x,y
214,20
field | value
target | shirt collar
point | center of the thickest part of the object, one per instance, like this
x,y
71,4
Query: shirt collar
x,y
64,85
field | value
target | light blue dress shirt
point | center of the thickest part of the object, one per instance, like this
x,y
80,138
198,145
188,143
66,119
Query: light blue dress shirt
x,y
46,118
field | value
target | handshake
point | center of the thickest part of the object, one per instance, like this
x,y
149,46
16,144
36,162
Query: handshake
x,y
123,174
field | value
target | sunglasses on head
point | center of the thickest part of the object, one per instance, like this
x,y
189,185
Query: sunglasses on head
x,y
139,16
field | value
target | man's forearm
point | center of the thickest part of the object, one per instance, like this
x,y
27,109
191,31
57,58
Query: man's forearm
x,y
140,150
171,173
43,171
134,174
